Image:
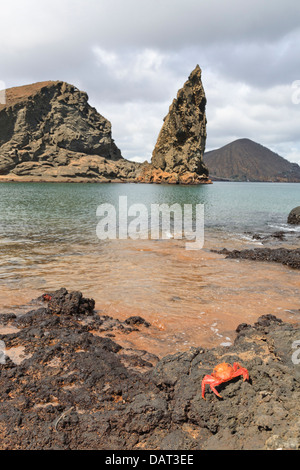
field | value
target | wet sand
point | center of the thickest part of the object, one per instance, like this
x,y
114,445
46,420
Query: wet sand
x,y
191,298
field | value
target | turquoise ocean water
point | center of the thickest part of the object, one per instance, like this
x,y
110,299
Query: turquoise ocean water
x,y
48,240
53,213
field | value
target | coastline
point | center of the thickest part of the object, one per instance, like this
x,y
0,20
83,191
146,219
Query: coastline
x,y
139,181
149,247
205,311
116,368
74,389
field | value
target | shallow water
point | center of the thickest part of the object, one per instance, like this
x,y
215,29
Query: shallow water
x,y
191,298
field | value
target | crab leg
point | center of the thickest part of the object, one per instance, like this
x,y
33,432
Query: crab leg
x,y
212,382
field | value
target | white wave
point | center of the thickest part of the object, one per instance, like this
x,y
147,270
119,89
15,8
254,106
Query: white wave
x,y
285,227
250,239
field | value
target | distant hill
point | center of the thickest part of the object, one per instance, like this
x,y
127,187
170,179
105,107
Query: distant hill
x,y
245,160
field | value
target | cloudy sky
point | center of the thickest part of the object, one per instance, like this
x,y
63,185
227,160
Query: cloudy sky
x,y
131,57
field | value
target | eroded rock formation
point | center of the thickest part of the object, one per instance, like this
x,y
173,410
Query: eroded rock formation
x,y
178,153
48,131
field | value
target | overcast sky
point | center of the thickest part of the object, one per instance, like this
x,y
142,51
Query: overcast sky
x,y
131,57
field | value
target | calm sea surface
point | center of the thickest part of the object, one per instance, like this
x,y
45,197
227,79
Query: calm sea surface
x,y
48,240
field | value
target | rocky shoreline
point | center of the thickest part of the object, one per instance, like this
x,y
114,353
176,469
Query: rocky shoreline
x,y
285,256
74,387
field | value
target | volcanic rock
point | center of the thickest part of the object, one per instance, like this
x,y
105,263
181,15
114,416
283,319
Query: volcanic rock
x,y
294,216
285,256
49,132
75,388
178,153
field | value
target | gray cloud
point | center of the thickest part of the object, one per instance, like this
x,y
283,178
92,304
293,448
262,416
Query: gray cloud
x,y
132,56
160,23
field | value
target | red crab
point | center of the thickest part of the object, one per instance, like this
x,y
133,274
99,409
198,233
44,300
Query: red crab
x,y
47,297
222,373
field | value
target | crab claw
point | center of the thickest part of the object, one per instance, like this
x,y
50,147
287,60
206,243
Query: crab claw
x,y
238,370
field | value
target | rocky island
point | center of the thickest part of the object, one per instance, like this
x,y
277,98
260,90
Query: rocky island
x,y
178,153
49,132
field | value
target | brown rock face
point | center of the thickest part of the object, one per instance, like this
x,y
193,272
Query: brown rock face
x,y
178,153
48,131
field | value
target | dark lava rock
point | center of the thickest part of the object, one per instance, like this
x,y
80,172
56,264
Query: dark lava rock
x,y
279,235
78,389
137,320
288,257
294,216
64,303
